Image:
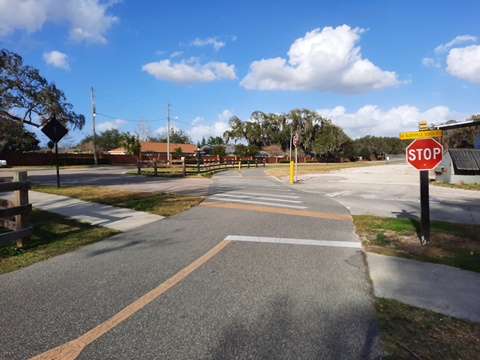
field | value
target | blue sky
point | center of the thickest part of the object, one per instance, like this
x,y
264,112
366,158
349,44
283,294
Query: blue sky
x,y
374,67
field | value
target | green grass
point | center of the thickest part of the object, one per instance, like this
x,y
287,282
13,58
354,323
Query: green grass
x,y
53,235
408,332
162,204
458,186
450,244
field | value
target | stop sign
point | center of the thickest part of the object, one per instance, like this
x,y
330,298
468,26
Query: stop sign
x,y
424,154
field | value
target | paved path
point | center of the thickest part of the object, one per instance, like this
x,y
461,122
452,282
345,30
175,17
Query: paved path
x,y
290,258
391,191
222,280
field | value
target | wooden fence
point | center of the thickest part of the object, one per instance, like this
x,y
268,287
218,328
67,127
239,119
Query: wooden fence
x,y
183,168
19,209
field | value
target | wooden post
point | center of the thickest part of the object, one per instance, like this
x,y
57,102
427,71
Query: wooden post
x,y
155,167
21,198
184,169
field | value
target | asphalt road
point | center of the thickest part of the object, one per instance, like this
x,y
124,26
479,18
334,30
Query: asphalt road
x,y
391,191
286,279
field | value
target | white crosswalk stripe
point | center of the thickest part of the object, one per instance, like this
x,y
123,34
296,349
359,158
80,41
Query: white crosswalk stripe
x,y
262,192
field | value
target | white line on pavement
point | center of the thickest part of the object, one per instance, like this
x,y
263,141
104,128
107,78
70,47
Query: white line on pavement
x,y
347,244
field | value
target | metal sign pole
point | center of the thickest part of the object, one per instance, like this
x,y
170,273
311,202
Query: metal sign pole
x,y
56,153
425,207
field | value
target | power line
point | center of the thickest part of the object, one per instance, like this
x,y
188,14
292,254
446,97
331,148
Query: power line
x,y
130,120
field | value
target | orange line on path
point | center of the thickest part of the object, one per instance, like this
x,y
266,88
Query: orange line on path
x,y
308,213
73,348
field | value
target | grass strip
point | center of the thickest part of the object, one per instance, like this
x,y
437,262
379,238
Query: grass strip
x,y
409,332
53,235
450,244
151,202
462,186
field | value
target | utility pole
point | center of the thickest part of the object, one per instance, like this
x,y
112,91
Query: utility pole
x,y
168,133
93,122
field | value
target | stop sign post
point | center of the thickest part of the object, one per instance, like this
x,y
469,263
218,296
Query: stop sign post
x,y
424,154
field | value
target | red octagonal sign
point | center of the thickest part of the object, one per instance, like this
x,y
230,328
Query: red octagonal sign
x,y
424,154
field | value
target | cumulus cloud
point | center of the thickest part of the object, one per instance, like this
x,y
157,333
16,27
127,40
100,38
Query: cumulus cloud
x,y
191,71
464,63
57,59
88,19
205,131
198,120
372,120
458,40
225,115
109,125
323,60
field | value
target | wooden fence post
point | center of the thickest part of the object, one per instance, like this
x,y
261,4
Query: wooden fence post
x,y
20,198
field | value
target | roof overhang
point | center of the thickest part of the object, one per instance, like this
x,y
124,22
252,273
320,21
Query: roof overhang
x,y
458,125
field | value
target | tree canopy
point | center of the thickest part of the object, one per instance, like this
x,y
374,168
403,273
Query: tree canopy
x,y
25,92
177,136
317,136
461,138
105,141
14,138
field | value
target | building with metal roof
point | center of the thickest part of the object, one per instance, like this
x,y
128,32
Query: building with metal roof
x,y
459,166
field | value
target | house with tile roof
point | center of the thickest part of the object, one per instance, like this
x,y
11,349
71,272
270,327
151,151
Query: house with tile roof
x,y
459,166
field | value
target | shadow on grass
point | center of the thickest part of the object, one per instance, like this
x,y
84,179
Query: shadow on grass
x,y
416,223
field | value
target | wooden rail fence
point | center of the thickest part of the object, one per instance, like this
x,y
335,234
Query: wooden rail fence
x,y
19,208
183,169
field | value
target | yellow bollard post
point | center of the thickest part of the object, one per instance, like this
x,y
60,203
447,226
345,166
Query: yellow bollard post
x,y
291,172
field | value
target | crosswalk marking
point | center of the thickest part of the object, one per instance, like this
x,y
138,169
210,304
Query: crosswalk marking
x,y
255,202
258,198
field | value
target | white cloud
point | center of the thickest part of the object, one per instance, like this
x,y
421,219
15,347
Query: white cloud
x,y
217,45
465,63
57,59
225,115
186,72
198,120
205,131
458,40
372,120
109,125
429,62
87,19
324,60
176,54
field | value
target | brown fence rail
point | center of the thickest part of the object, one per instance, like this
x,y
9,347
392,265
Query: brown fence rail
x,y
182,168
19,209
